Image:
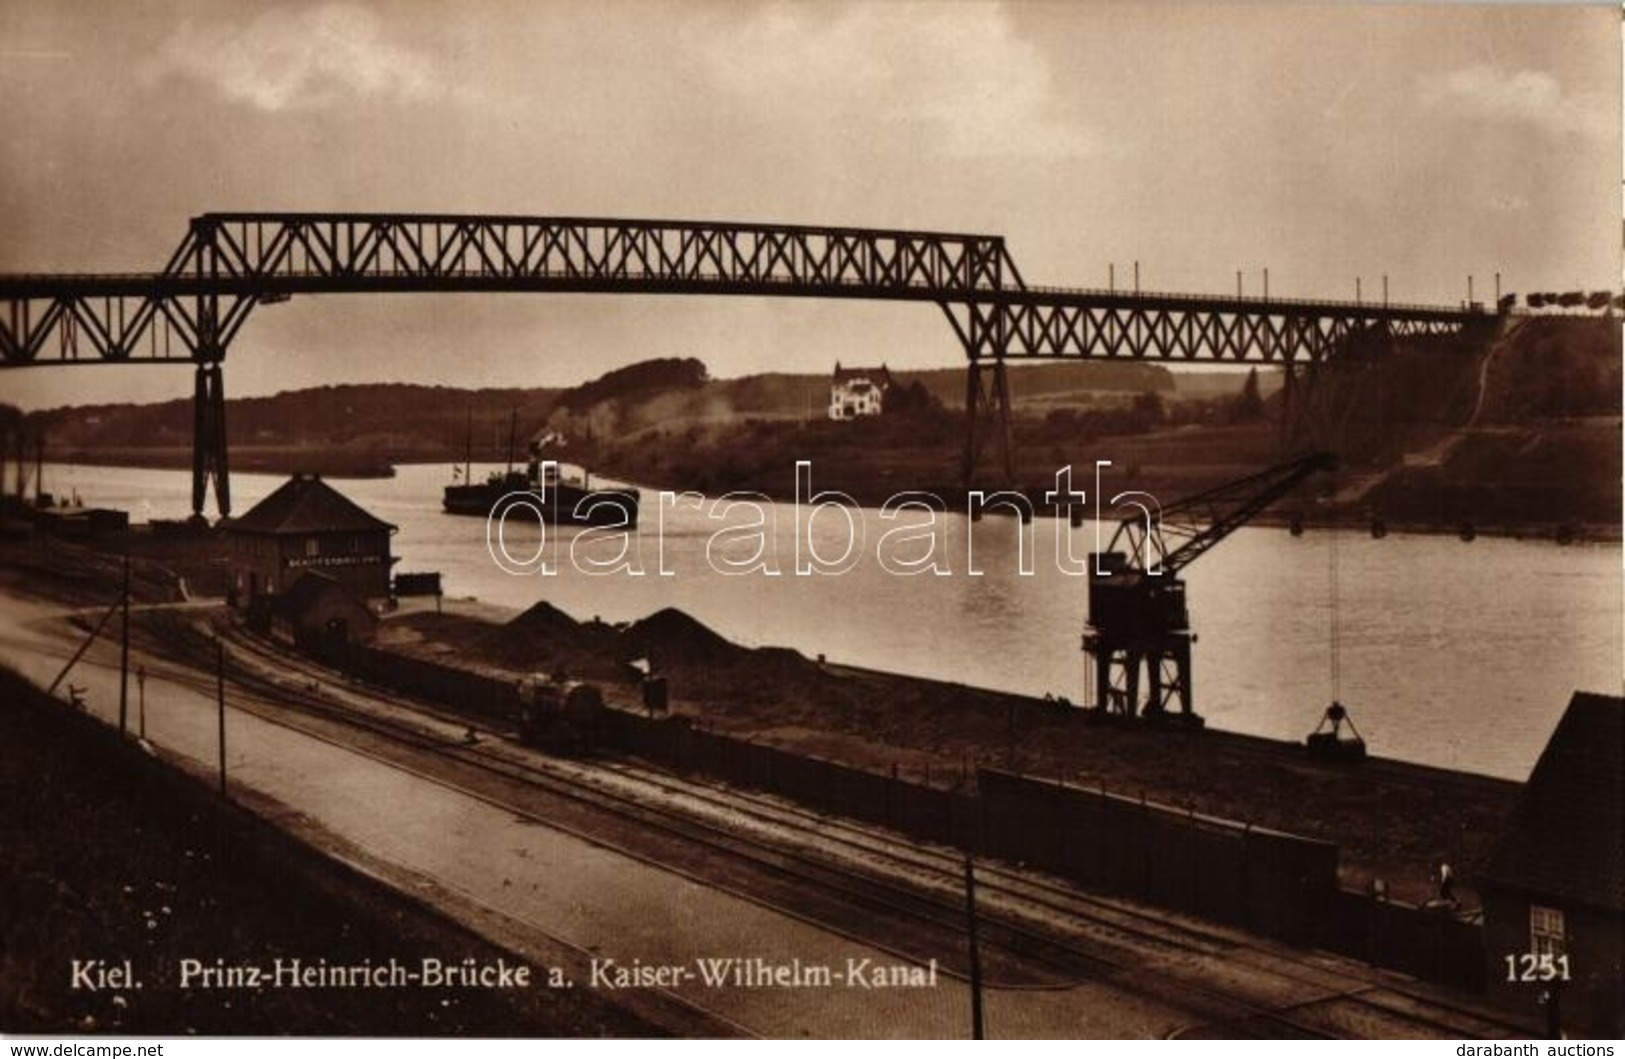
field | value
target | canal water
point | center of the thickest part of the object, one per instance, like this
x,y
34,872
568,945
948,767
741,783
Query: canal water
x,y
1447,653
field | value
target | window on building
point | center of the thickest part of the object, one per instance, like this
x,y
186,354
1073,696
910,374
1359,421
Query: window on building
x,y
312,547
1547,932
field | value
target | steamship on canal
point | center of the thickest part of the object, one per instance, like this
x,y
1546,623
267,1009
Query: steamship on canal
x,y
542,492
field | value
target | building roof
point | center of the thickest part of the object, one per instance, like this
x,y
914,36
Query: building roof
x,y
305,504
880,376
1567,835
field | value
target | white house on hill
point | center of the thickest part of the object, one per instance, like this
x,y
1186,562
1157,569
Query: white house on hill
x,y
857,392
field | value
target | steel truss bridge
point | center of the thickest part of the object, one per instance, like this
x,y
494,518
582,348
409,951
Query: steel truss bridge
x,y
228,263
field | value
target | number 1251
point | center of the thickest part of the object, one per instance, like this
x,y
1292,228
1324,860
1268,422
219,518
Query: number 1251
x,y
1529,967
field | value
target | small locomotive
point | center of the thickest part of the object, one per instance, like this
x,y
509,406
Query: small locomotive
x,y
561,715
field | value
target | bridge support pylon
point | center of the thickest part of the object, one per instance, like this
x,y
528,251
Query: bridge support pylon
x,y
990,404
209,440
1289,386
209,388
1306,421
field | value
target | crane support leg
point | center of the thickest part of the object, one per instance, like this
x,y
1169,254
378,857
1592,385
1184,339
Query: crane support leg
x,y
1105,699
1163,668
1182,665
1169,669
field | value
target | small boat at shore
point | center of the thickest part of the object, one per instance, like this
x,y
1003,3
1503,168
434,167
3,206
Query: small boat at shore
x,y
542,492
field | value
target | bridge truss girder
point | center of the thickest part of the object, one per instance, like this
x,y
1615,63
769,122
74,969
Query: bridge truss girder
x,y
238,260
1035,325
267,246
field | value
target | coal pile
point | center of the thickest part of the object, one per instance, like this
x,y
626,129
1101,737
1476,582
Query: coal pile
x,y
671,639
545,638
706,667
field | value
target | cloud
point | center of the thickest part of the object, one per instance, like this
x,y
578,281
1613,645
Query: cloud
x,y
960,73
299,60
1530,98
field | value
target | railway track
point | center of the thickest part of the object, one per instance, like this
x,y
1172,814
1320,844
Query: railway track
x,y
1035,922
1053,903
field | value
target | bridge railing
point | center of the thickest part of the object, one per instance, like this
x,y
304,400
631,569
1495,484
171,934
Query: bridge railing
x,y
1321,306
138,284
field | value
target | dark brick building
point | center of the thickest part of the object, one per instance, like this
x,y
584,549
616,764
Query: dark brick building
x,y
307,526
1554,894
321,615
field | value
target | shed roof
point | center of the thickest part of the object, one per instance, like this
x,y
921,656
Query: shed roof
x,y
305,504
1567,835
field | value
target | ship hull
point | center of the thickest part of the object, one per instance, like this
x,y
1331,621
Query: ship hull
x,y
564,505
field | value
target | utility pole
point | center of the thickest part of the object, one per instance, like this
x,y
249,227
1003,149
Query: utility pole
x,y
1238,284
124,652
1136,277
1358,299
220,697
83,647
975,951
1266,284
141,699
1111,277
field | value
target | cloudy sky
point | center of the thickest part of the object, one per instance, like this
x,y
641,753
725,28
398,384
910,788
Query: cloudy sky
x,y
1325,141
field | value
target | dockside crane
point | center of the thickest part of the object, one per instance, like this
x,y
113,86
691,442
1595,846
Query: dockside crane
x,y
1138,618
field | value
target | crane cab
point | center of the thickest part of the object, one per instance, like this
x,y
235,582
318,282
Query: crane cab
x,y
1125,602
